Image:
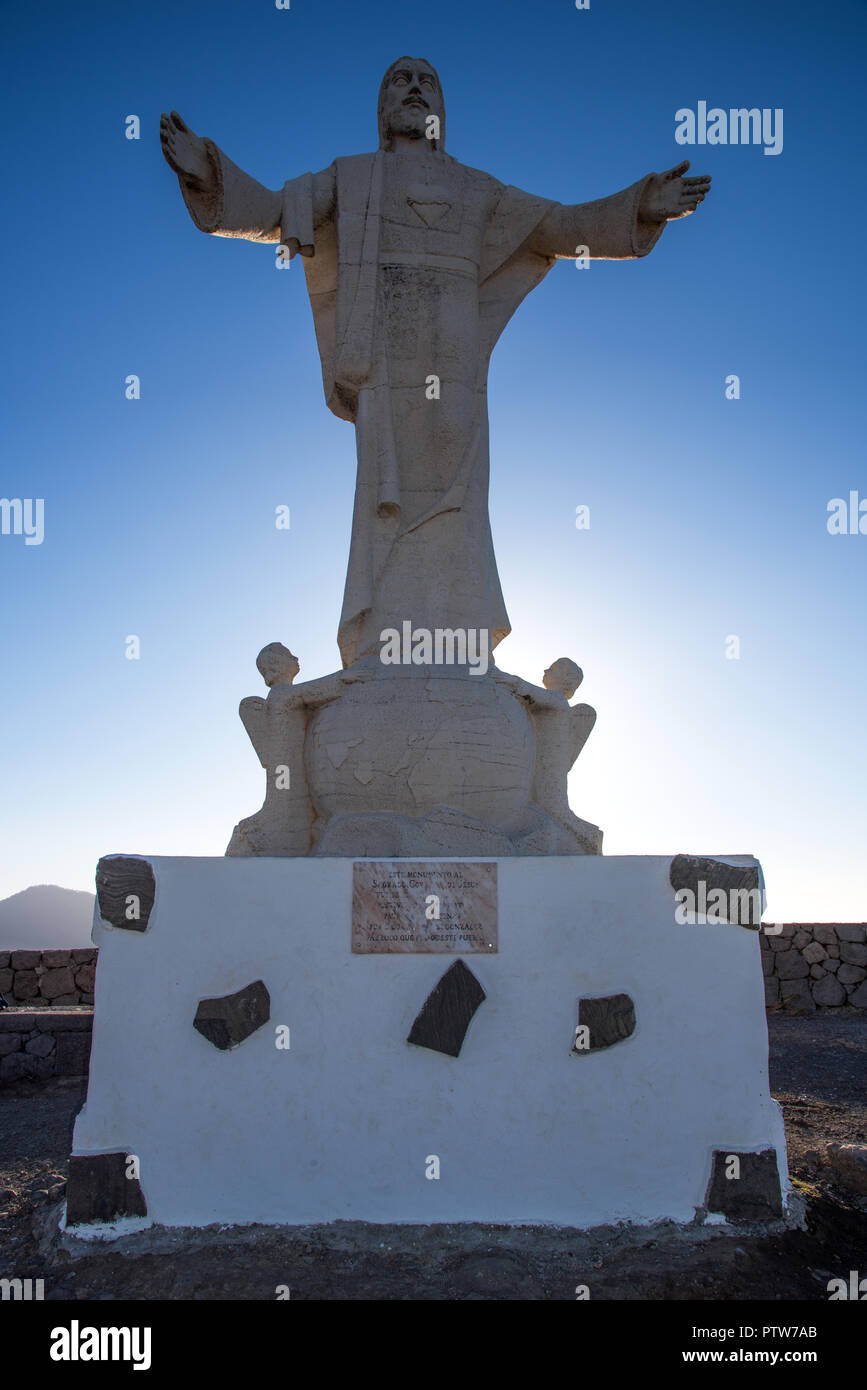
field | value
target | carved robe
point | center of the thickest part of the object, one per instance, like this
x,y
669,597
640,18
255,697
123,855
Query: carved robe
x,y
412,277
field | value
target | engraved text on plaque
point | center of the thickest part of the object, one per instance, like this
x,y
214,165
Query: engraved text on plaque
x,y
414,906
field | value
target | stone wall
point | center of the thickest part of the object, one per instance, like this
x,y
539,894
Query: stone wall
x,y
36,1043
812,966
809,965
41,979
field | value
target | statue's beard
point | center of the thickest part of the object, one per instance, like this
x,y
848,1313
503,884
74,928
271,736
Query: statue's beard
x,y
409,121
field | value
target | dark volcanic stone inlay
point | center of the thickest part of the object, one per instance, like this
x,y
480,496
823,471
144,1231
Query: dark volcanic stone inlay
x,y
754,1196
688,870
444,1017
610,1019
98,1189
117,877
230,1018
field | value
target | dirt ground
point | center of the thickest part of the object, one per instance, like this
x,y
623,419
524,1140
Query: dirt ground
x,y
818,1068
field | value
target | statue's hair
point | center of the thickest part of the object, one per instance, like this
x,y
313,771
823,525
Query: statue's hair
x,y
380,110
568,669
273,660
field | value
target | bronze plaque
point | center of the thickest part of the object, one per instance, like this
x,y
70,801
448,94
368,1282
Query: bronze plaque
x,y
412,906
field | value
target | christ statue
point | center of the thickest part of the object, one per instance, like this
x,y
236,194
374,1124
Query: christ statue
x,y
415,263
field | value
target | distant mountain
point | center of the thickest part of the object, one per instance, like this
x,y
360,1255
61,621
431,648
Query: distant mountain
x,y
45,917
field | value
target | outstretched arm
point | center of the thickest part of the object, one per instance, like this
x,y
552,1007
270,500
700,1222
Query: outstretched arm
x,y
537,695
313,694
220,197
625,225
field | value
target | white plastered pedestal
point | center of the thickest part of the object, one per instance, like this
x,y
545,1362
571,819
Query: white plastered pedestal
x,y
342,1124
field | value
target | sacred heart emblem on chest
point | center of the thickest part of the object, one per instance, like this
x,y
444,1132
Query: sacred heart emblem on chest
x,y
429,201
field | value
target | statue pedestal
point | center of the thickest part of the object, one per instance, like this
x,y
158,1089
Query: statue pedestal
x,y
412,761
301,1100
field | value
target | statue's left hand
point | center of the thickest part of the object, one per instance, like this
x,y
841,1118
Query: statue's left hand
x,y
669,196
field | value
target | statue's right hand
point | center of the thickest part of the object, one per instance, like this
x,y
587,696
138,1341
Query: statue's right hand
x,y
184,151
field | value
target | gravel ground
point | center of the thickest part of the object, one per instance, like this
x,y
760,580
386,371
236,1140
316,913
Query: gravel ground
x,y
818,1068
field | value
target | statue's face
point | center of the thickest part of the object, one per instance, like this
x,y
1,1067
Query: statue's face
x,y
563,675
277,664
411,95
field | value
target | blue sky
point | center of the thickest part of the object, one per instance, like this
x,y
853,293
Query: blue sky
x,y
708,516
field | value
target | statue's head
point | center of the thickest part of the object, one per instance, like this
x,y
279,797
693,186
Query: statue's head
x,y
277,665
410,92
563,675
